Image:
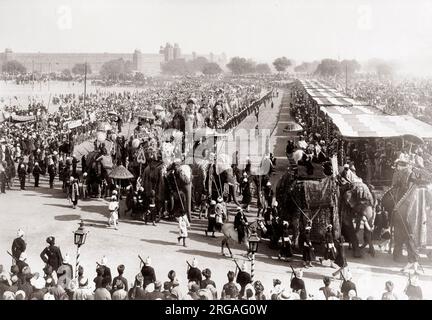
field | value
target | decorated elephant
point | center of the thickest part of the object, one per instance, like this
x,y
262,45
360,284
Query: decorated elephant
x,y
99,167
303,201
356,201
322,202
172,183
217,176
408,203
260,176
199,176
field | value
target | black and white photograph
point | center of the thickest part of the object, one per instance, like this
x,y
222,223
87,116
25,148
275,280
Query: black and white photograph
x,y
215,150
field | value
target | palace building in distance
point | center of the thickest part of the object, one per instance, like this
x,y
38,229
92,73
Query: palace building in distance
x,y
147,63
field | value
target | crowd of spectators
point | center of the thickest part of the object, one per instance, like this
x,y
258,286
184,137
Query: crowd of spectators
x,y
57,281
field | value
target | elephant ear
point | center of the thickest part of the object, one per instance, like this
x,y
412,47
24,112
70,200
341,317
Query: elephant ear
x,y
362,192
185,174
223,163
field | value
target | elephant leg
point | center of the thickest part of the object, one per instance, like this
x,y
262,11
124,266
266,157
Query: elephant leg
x,y
223,246
233,194
188,200
171,202
296,232
398,244
229,249
349,233
412,251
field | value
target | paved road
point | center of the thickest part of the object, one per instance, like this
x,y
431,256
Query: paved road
x,y
44,212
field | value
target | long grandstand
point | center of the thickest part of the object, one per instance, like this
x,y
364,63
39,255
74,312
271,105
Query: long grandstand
x,y
356,125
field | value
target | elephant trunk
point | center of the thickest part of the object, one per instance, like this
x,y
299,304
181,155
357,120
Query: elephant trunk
x,y
188,201
233,194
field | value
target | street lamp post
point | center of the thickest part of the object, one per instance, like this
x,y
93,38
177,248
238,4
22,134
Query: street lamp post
x,y
80,236
253,247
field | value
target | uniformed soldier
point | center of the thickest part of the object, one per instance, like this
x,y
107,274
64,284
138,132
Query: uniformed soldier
x,y
51,255
18,245
36,173
243,279
22,172
193,273
51,172
148,272
240,223
105,270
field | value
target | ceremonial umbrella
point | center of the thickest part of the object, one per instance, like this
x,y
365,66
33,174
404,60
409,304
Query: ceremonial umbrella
x,y
413,139
158,107
112,113
121,173
293,127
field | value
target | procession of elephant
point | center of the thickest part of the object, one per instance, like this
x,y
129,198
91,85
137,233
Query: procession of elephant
x,y
299,200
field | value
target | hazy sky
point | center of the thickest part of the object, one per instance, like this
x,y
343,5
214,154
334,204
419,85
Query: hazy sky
x,y
260,29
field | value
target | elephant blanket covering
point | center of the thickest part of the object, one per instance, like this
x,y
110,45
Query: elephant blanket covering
x,y
318,193
321,200
416,205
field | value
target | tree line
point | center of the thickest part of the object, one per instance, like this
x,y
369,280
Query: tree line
x,y
120,69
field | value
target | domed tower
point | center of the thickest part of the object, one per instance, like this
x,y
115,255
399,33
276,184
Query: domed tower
x,y
137,60
169,52
177,51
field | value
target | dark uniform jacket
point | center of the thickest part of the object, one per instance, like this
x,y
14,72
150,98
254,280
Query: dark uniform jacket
x,y
243,278
18,246
52,256
106,273
239,220
298,285
194,274
149,275
346,287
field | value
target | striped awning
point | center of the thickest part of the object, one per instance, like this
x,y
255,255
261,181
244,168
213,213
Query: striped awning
x,y
325,93
379,125
355,109
347,102
314,84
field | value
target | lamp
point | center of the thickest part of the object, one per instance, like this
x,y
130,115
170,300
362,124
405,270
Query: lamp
x,y
80,235
253,241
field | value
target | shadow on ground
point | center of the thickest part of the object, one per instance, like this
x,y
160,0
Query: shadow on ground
x,y
160,242
67,217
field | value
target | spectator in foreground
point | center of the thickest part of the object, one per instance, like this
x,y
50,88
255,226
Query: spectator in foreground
x,y
120,270
230,290
327,290
102,293
413,290
388,294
